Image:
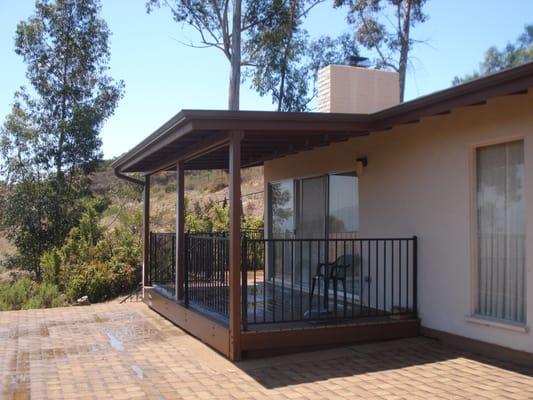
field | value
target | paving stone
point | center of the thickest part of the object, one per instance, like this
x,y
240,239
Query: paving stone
x,y
125,351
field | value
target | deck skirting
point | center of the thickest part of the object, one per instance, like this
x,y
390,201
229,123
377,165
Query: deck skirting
x,y
282,340
208,331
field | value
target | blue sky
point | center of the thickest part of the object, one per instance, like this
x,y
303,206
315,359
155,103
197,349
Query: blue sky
x,y
163,76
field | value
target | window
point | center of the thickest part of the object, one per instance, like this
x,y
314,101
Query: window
x,y
343,203
501,232
282,209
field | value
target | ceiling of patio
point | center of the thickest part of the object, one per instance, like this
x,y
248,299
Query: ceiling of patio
x,y
201,138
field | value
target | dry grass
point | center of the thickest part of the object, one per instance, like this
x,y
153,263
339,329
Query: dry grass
x,y
200,187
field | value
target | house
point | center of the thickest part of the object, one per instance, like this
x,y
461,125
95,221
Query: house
x,y
383,220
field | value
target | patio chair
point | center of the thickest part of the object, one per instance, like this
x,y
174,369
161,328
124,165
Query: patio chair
x,y
336,272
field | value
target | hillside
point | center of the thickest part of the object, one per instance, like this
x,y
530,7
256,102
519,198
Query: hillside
x,y
200,187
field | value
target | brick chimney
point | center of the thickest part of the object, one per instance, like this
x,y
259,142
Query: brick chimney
x,y
359,90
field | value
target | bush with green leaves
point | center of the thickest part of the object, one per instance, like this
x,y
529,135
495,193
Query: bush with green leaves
x,y
214,217
25,294
95,262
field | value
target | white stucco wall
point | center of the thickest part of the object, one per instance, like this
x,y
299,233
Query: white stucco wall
x,y
419,182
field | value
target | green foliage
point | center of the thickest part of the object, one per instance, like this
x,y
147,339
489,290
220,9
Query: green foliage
x,y
214,217
272,42
286,60
171,187
390,38
512,55
25,294
50,142
97,263
50,266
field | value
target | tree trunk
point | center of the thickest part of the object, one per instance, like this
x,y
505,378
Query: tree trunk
x,y
404,49
235,72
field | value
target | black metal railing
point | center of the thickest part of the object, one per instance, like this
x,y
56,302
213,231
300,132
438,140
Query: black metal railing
x,y
294,280
162,265
206,272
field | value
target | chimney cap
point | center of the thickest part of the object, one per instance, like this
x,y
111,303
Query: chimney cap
x,y
357,61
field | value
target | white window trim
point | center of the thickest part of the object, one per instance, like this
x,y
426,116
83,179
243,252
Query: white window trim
x,y
474,317
497,323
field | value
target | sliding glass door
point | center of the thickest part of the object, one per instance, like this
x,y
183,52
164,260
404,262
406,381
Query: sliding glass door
x,y
310,210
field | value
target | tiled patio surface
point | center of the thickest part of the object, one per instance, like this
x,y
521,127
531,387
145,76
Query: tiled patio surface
x,y
114,351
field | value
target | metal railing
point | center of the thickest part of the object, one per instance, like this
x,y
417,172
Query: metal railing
x,y
162,270
294,280
206,272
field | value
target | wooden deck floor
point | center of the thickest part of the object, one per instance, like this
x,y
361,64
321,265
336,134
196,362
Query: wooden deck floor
x,y
285,307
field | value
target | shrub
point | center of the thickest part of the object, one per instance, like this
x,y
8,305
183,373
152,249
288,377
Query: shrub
x,y
96,263
171,187
25,294
214,217
50,266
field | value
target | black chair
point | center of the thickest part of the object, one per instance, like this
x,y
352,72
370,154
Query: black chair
x,y
334,271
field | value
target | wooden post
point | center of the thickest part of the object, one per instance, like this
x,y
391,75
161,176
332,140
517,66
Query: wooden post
x,y
146,234
180,230
235,245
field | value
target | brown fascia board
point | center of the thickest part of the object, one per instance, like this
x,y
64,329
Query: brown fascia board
x,y
510,81
514,80
187,121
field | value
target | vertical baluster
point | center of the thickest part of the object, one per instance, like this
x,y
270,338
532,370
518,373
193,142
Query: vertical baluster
x,y
309,282
254,254
301,283
369,304
318,280
292,278
275,242
400,275
352,284
392,276
283,280
265,296
385,275
415,275
407,264
377,277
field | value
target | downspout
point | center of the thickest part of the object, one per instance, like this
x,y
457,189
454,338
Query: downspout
x,y
146,221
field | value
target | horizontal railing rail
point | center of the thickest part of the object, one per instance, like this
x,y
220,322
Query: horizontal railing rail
x,y
294,280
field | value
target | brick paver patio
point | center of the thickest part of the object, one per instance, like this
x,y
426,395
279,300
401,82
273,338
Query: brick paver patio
x,y
114,351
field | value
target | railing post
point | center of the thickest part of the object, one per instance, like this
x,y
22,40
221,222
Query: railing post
x,y
180,229
415,275
244,267
146,233
235,252
186,260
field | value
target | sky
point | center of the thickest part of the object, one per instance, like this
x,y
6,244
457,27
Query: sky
x,y
163,76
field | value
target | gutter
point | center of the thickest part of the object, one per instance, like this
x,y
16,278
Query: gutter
x,y
120,175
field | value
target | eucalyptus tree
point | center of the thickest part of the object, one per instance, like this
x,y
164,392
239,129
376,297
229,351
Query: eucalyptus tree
x,y
512,55
389,37
231,25
50,141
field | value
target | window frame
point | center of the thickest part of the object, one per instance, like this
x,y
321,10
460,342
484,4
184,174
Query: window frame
x,y
472,315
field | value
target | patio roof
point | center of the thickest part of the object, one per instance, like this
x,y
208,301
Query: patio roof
x,y
200,137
